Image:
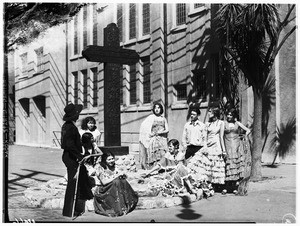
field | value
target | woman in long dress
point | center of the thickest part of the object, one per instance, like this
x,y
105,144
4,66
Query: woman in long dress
x,y
153,137
235,164
113,196
215,151
208,164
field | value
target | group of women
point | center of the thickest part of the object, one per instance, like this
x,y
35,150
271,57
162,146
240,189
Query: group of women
x,y
218,159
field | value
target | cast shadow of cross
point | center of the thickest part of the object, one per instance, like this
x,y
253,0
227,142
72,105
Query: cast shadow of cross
x,y
35,176
187,213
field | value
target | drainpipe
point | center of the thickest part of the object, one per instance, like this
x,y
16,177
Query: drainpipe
x,y
67,66
165,58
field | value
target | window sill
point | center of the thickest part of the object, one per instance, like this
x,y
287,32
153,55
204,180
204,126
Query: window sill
x,y
179,28
39,72
76,57
183,105
86,111
179,105
197,11
144,38
130,42
134,108
22,77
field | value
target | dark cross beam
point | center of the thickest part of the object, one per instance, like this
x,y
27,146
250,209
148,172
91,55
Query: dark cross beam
x,y
113,57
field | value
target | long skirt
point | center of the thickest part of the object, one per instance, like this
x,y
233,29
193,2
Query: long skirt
x,y
117,198
209,167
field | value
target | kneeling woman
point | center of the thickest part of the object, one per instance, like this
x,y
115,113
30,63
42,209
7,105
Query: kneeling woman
x,y
114,196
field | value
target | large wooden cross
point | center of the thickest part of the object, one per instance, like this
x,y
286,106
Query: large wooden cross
x,y
113,57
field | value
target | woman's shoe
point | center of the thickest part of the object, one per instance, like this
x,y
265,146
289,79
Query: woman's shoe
x,y
235,192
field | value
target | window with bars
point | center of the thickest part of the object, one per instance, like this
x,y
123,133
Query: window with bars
x,y
95,87
132,21
146,80
85,88
132,83
121,85
120,21
75,74
198,5
199,84
85,38
180,14
181,92
95,24
76,35
39,58
146,19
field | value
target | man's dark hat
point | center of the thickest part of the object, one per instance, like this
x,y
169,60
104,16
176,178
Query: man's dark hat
x,y
72,111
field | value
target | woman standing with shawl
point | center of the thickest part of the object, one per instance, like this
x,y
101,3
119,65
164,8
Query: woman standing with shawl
x,y
153,137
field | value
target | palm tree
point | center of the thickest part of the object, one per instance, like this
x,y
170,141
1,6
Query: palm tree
x,y
251,39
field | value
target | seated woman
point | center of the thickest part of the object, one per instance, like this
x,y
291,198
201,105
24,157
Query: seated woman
x,y
88,148
113,196
174,161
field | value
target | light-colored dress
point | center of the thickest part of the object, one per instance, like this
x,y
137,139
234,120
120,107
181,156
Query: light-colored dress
x,y
208,163
153,148
216,169
180,171
234,148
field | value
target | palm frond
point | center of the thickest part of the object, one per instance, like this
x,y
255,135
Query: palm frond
x,y
285,137
268,99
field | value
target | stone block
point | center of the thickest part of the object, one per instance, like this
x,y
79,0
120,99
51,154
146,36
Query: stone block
x,y
61,203
160,203
177,201
55,203
89,205
169,202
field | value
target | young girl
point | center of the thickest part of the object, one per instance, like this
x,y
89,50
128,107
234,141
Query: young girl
x,y
87,141
174,162
89,125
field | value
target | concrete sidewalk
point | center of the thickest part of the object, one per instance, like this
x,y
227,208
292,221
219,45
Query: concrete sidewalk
x,y
268,201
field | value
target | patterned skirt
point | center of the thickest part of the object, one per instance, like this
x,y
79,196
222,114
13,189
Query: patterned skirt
x,y
207,167
117,198
157,149
237,161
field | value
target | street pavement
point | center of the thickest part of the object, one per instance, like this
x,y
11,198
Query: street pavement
x,y
268,201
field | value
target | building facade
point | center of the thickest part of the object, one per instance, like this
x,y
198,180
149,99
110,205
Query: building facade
x,y
178,62
179,55
40,91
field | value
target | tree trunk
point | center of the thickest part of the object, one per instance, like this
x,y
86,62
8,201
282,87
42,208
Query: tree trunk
x,y
257,138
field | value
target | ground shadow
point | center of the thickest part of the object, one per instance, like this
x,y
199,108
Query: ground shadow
x,y
187,213
13,184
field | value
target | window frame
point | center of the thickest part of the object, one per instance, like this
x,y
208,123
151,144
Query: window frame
x,y
134,81
132,23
